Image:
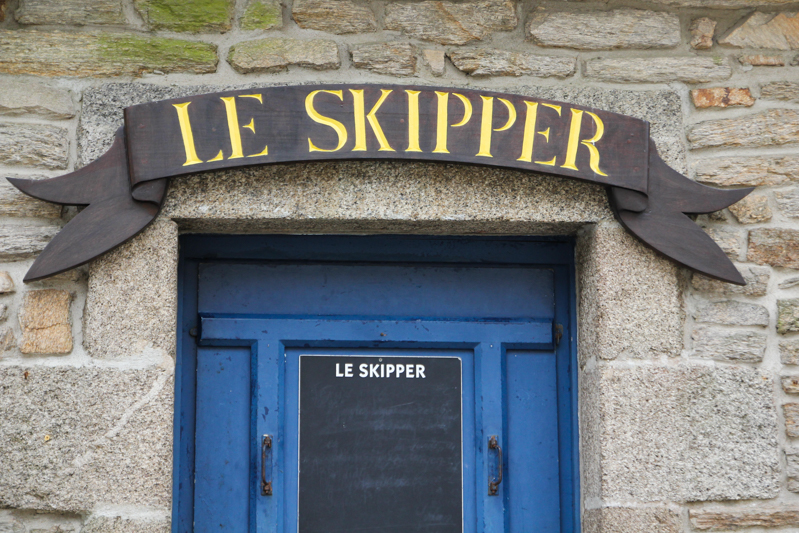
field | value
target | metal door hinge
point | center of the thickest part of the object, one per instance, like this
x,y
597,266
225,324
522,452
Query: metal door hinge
x,y
558,333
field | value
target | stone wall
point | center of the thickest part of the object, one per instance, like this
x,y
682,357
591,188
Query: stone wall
x,y
689,388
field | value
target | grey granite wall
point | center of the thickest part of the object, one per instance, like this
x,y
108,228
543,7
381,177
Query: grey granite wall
x,y
688,387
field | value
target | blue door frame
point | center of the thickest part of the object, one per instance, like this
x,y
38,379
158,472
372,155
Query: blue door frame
x,y
555,254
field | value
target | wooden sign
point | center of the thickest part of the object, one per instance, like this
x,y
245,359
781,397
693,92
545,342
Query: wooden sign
x,y
125,188
380,443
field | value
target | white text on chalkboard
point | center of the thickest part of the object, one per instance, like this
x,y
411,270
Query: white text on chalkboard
x,y
381,371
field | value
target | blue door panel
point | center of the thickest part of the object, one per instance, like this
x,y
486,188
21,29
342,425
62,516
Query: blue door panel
x,y
373,290
222,484
532,456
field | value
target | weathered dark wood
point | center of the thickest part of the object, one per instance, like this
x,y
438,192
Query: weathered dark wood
x,y
664,225
112,217
125,188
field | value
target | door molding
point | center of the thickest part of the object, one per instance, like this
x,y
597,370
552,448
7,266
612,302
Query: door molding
x,y
555,253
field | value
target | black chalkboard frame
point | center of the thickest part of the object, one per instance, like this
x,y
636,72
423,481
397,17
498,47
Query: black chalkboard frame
x,y
329,496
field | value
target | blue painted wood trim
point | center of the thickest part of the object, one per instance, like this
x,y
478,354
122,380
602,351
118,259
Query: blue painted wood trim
x,y
238,331
539,251
185,394
568,423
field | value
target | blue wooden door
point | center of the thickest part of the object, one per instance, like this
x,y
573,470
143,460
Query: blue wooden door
x,y
297,427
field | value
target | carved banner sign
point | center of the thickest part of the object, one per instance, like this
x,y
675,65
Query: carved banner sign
x,y
125,188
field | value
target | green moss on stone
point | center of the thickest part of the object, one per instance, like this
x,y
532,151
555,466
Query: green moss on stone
x,y
156,53
262,15
187,15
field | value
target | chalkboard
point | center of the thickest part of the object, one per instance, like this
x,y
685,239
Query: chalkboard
x,y
380,444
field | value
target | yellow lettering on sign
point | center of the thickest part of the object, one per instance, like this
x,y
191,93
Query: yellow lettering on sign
x,y
529,133
233,127
441,124
443,118
574,142
511,115
467,110
360,123
188,136
485,126
254,97
360,120
251,125
337,126
545,135
237,151
487,121
593,161
413,121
